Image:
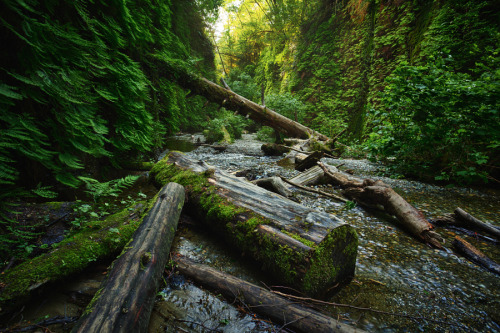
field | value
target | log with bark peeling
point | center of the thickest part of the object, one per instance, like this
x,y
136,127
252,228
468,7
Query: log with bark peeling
x,y
377,193
233,101
309,250
280,310
126,298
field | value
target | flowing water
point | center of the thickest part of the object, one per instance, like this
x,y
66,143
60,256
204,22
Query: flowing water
x,y
425,289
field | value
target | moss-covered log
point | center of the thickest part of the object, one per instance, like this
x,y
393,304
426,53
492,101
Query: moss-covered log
x,y
72,255
126,298
309,250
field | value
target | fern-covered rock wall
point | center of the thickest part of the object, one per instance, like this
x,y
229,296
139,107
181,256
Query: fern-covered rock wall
x,y
77,89
344,58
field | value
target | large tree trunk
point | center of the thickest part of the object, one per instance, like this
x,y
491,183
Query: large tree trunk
x,y
312,251
233,101
280,310
125,300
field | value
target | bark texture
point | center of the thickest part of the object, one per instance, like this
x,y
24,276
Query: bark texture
x,y
126,298
267,226
280,310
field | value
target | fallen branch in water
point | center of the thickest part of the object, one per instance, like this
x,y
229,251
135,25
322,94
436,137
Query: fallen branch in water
x,y
308,300
377,193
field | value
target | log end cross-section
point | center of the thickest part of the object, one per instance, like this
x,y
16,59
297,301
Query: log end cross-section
x,y
309,250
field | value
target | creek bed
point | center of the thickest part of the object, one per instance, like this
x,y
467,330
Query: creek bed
x,y
428,289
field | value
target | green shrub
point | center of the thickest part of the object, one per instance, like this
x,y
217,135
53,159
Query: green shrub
x,y
226,127
436,121
266,134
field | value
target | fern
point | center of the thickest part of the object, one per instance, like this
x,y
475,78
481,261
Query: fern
x,y
44,191
112,188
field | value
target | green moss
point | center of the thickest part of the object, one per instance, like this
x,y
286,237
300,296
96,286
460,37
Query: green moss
x,y
304,241
72,255
333,261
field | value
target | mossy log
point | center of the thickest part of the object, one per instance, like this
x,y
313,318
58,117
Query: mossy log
x,y
291,315
126,298
70,256
309,250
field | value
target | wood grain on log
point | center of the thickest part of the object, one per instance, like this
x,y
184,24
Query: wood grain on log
x,y
125,300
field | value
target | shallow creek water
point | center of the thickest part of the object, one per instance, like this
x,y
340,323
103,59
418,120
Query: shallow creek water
x,y
426,289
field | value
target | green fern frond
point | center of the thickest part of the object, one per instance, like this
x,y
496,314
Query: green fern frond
x,y
44,191
70,160
9,91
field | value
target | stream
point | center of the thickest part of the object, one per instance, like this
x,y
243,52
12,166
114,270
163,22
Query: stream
x,y
425,289
428,289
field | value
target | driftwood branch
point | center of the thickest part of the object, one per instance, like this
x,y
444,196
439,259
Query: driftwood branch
x,y
313,190
469,220
476,256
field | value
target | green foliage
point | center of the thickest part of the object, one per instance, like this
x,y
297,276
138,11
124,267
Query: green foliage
x,y
266,134
78,89
287,105
441,122
226,127
112,188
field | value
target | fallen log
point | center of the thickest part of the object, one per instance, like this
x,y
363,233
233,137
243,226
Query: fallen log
x,y
267,226
312,176
273,149
371,193
313,190
469,220
476,256
232,101
280,310
126,298
310,161
274,184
